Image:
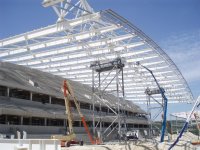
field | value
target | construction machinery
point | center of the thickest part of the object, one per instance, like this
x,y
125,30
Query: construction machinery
x,y
162,92
70,138
185,126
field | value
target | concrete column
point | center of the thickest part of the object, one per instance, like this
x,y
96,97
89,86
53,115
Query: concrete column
x,y
45,121
31,96
30,121
21,120
49,99
8,91
65,122
6,119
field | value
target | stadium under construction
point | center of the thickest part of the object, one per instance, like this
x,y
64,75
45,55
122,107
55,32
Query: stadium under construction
x,y
111,66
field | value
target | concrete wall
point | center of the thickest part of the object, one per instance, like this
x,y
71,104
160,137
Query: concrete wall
x,y
25,144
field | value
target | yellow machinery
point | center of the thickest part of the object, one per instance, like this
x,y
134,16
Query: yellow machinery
x,y
68,139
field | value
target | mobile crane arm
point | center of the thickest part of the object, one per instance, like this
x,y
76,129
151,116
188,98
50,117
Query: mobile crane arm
x,y
165,102
68,92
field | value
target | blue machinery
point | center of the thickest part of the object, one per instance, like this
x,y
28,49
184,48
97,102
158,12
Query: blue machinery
x,y
196,105
161,91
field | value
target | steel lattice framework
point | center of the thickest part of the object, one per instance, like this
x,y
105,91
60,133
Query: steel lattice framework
x,y
82,36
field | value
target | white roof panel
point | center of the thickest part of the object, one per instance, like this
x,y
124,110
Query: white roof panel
x,y
67,49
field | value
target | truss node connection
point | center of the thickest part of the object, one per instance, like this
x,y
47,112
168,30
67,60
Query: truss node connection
x,y
82,36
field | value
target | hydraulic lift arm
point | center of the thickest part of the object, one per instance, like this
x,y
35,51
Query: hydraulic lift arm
x,y
165,102
68,91
67,107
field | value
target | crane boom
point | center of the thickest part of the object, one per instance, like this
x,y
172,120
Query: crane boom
x,y
162,92
67,106
68,92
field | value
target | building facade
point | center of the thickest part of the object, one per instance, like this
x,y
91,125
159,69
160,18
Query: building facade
x,y
32,101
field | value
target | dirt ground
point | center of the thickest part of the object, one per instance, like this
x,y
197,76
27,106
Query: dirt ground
x,y
132,146
184,144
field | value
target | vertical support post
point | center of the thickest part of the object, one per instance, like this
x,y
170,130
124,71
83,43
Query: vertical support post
x,y
80,123
21,120
8,92
118,104
49,99
31,96
45,121
93,116
6,120
122,72
123,94
149,113
30,121
100,119
65,123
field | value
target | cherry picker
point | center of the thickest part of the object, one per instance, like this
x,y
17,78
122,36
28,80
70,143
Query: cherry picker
x,y
70,138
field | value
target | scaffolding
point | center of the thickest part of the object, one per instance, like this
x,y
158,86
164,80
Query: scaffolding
x,y
114,73
156,108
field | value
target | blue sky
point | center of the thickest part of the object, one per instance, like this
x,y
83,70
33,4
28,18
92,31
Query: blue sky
x,y
172,24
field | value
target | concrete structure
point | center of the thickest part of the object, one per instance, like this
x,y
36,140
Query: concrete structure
x,y
32,101
66,49
30,144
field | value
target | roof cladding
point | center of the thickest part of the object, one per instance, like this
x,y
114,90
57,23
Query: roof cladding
x,y
68,47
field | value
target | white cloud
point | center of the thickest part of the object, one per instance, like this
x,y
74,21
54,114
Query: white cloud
x,y
184,50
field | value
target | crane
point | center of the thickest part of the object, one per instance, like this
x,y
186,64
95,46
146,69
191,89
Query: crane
x,y
70,137
162,92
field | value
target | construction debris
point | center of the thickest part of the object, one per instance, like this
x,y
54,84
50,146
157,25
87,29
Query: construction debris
x,y
185,143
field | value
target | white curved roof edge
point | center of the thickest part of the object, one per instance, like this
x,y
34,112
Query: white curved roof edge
x,y
63,48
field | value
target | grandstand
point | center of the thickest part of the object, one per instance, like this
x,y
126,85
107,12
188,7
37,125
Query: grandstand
x,y
32,101
35,63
